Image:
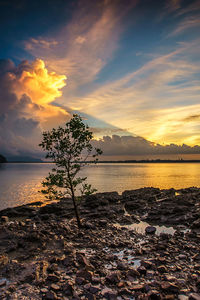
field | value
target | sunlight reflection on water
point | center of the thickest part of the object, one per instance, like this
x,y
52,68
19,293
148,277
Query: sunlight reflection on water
x,y
20,182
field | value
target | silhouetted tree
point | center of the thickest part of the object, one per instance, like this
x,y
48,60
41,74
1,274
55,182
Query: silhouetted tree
x,y
70,149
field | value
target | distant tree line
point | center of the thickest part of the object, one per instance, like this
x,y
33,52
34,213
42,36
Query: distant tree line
x,y
2,159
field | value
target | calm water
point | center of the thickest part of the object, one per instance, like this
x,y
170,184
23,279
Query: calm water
x,y
19,183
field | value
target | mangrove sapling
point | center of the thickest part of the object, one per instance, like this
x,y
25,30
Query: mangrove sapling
x,y
70,148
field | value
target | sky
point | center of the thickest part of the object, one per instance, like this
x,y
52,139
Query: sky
x,y
130,68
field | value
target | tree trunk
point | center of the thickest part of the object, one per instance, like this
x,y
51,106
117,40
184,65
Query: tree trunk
x,y
75,206
76,211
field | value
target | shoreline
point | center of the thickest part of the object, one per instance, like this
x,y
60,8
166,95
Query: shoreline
x,y
43,255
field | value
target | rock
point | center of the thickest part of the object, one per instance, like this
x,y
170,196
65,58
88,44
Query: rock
x,y
194,296
89,225
109,294
196,224
182,297
103,222
68,289
4,219
3,260
142,270
150,229
169,287
133,273
137,287
153,295
55,287
3,282
83,261
121,266
162,269
113,277
87,275
44,290
53,277
50,295
94,289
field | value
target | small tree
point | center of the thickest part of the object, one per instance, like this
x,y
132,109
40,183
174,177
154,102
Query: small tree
x,y
70,149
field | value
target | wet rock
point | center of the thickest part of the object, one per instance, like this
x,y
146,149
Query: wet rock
x,y
183,297
150,229
137,287
3,282
109,294
113,277
103,222
94,289
162,269
53,277
196,224
83,261
154,295
169,287
3,260
89,225
142,270
133,273
50,295
68,289
87,275
194,296
55,287
4,219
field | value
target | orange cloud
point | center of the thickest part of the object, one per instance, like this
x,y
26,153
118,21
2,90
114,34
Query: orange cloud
x,y
36,82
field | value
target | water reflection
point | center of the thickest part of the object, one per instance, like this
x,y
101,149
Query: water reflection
x,y
140,228
20,182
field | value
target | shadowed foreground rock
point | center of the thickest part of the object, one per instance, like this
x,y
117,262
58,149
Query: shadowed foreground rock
x,y
43,255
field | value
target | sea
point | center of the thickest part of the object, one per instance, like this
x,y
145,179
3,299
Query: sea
x,y
20,183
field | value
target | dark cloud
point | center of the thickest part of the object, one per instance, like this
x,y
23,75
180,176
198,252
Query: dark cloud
x,y
18,130
130,145
192,118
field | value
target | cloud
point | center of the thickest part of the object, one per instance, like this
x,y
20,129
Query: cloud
x,y
40,43
192,118
27,91
153,100
173,5
136,146
186,24
85,44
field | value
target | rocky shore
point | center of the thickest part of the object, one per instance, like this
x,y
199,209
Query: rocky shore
x,y
143,244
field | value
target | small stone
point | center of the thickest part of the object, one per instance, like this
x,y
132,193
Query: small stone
x,y
51,296
3,282
55,287
182,297
154,295
137,287
87,275
150,229
162,269
113,277
109,294
44,290
169,287
194,296
53,277
4,219
133,273
94,289
142,270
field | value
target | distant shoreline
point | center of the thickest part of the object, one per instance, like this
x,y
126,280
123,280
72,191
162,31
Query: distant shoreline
x,y
120,161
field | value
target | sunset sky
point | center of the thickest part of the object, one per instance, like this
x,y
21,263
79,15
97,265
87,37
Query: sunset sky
x,y
131,68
